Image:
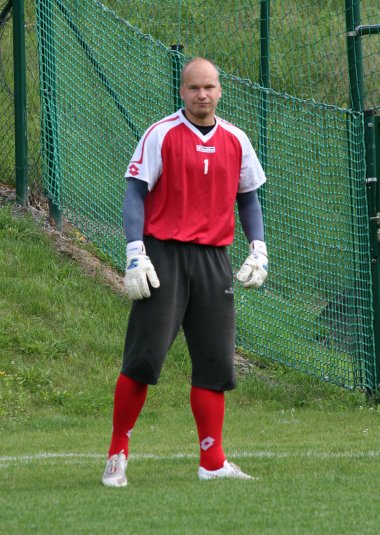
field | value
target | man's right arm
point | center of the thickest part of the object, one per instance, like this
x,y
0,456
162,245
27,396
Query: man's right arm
x,y
133,209
139,270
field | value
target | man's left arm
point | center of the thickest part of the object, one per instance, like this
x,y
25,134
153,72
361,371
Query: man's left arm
x,y
254,271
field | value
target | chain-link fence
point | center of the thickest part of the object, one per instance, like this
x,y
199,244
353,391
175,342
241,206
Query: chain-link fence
x,y
308,51
7,132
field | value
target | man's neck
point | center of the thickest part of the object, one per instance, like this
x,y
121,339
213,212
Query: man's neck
x,y
203,128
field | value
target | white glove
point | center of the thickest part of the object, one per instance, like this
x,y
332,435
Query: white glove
x,y
254,271
139,271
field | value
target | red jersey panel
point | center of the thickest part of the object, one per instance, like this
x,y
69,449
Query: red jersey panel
x,y
193,179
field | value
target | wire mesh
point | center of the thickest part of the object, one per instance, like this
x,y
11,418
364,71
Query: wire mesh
x,y
7,172
307,41
7,133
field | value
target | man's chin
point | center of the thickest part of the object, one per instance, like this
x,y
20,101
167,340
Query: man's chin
x,y
202,113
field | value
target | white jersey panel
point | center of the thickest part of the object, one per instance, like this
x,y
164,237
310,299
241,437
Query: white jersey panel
x,y
146,162
252,175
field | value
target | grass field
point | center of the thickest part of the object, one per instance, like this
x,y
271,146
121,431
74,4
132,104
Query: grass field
x,y
318,473
314,447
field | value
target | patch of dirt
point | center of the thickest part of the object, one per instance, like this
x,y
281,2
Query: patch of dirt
x,y
89,262
66,241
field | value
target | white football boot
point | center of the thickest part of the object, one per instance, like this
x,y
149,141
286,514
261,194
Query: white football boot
x,y
114,474
228,470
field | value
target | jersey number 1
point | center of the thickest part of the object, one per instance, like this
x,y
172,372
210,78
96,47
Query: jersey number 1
x,y
205,168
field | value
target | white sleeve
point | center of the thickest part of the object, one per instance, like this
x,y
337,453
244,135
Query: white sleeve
x,y
146,162
252,175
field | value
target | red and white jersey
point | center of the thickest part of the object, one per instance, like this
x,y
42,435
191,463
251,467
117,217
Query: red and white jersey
x,y
193,179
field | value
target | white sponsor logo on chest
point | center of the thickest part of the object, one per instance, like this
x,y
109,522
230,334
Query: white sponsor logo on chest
x,y
202,148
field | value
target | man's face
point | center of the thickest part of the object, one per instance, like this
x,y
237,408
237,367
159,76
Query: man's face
x,y
200,91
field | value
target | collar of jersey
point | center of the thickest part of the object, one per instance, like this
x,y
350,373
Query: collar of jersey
x,y
195,129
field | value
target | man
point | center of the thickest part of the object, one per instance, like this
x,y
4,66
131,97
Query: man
x,y
183,180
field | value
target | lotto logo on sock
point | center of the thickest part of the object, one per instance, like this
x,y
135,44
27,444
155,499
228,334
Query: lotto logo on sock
x,y
129,433
207,443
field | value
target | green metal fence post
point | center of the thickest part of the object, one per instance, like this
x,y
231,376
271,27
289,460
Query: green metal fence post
x,y
357,257
371,141
355,67
264,76
355,56
20,102
377,148
48,96
264,83
176,77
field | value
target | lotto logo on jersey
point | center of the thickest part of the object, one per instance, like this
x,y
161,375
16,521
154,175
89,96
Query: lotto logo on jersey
x,y
133,170
202,148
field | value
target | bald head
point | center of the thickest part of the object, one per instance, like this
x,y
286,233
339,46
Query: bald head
x,y
200,90
198,63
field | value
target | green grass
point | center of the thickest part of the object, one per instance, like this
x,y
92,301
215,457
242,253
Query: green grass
x,y
317,474
313,446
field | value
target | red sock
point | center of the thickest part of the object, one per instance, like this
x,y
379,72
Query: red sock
x,y
208,411
128,401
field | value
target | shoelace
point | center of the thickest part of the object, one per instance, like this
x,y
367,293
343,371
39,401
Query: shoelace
x,y
112,467
235,467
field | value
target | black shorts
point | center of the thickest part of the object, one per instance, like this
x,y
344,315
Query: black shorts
x,y
196,292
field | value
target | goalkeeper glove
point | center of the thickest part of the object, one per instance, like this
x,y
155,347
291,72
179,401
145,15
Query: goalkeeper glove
x,y
254,271
139,271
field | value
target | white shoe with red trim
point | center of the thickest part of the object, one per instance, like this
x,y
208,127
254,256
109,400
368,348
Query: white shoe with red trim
x,y
228,470
114,474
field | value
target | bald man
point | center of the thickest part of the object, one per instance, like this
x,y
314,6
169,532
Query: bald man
x,y
183,180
